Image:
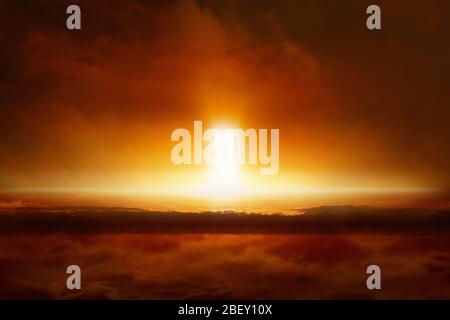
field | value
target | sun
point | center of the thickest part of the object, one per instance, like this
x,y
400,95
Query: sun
x,y
224,182
224,171
224,175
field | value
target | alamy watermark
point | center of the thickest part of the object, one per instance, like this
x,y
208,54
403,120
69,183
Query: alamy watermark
x,y
227,147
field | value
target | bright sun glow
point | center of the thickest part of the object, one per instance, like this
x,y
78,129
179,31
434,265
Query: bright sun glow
x,y
224,179
224,182
224,172
224,175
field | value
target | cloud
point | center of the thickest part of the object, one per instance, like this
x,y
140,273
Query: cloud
x,y
209,266
332,220
135,254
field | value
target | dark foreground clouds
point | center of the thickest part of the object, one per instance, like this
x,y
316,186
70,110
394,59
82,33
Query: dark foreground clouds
x,y
158,266
136,254
326,219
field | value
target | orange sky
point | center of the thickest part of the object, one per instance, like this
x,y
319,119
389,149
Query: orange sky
x,y
363,116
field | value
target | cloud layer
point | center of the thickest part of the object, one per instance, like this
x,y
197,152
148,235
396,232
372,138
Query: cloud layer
x,y
144,266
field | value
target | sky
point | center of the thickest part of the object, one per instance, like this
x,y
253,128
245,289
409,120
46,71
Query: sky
x,y
86,116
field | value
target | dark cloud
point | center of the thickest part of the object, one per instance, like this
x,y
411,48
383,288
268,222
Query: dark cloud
x,y
336,219
318,249
208,266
